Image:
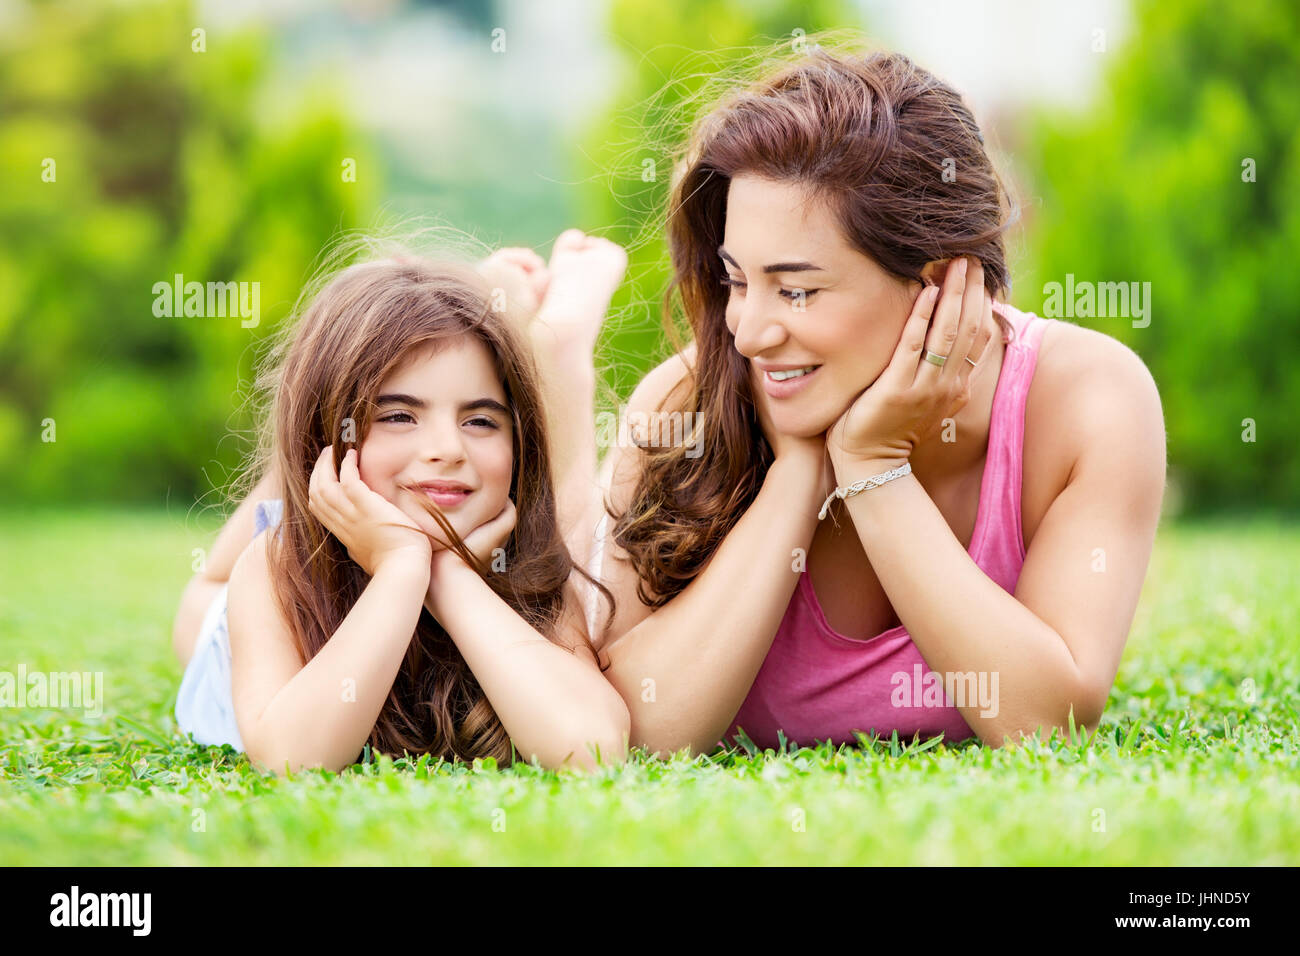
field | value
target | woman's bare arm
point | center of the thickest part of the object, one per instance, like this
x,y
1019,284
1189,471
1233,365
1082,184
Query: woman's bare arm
x,y
685,669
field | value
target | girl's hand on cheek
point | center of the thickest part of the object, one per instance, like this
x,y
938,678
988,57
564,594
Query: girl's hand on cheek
x,y
373,529
482,542
913,396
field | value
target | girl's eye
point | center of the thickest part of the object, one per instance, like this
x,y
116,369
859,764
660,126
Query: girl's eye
x,y
482,422
397,417
731,283
794,294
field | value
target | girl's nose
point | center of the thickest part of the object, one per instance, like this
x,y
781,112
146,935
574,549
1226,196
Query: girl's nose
x,y
442,442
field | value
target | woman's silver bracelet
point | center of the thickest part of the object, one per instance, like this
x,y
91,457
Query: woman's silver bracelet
x,y
875,481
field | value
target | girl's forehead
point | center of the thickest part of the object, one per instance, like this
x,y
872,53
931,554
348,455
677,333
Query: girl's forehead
x,y
450,366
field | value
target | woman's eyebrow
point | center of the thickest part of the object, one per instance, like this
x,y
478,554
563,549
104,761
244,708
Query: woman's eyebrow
x,y
776,266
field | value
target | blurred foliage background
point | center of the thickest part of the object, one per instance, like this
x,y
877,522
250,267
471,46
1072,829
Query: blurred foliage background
x,y
226,164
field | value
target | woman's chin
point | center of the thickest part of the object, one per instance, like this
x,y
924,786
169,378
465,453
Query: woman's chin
x,y
803,426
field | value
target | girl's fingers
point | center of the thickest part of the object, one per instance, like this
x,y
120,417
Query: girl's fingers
x,y
331,495
505,522
320,491
321,475
356,491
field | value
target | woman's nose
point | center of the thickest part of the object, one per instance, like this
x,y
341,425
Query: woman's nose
x,y
760,326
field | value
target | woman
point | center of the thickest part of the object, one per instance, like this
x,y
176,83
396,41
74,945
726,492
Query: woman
x,y
835,232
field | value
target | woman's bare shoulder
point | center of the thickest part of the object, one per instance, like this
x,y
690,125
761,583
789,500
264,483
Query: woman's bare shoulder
x,y
1077,362
664,386
1088,389
663,390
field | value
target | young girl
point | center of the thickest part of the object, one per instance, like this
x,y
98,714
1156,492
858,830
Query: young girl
x,y
414,592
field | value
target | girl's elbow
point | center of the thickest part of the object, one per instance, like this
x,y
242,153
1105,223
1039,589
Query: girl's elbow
x,y
271,756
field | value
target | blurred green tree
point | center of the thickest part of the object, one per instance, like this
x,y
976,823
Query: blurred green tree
x,y
132,149
1185,176
677,54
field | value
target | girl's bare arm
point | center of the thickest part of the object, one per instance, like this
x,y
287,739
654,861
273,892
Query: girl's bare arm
x,y
319,714
552,701
231,541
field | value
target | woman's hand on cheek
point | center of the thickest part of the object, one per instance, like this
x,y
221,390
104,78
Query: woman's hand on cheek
x,y
912,397
808,454
810,449
372,529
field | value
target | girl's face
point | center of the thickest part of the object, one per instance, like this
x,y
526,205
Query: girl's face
x,y
442,422
845,324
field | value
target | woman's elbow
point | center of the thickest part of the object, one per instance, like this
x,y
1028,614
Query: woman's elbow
x,y
1013,732
597,744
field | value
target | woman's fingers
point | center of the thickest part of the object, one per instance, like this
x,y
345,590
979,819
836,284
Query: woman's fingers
x,y
944,330
988,325
972,319
902,367
320,474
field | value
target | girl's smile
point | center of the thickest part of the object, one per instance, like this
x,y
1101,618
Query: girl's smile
x,y
443,430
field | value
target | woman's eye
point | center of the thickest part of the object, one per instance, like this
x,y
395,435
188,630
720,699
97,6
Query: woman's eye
x,y
398,417
731,283
795,294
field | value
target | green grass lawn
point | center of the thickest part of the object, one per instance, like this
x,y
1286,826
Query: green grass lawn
x,y
1195,762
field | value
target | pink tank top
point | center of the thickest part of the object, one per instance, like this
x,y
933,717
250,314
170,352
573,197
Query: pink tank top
x,y
816,684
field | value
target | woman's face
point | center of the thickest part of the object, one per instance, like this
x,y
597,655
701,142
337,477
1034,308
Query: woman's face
x,y
844,326
442,422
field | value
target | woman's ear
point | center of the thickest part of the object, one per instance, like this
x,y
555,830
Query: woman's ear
x,y
932,272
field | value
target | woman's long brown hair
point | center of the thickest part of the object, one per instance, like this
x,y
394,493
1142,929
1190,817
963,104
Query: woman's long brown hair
x,y
897,156
324,375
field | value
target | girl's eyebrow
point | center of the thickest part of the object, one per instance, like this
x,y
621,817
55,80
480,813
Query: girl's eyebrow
x,y
776,266
397,398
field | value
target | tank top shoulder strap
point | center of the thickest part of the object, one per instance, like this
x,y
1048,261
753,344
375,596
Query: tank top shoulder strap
x,y
267,514
1004,466
1027,328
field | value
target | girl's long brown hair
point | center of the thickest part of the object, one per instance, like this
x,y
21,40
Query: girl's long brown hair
x,y
324,375
897,156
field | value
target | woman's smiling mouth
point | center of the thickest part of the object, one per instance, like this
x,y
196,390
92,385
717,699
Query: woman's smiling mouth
x,y
785,382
